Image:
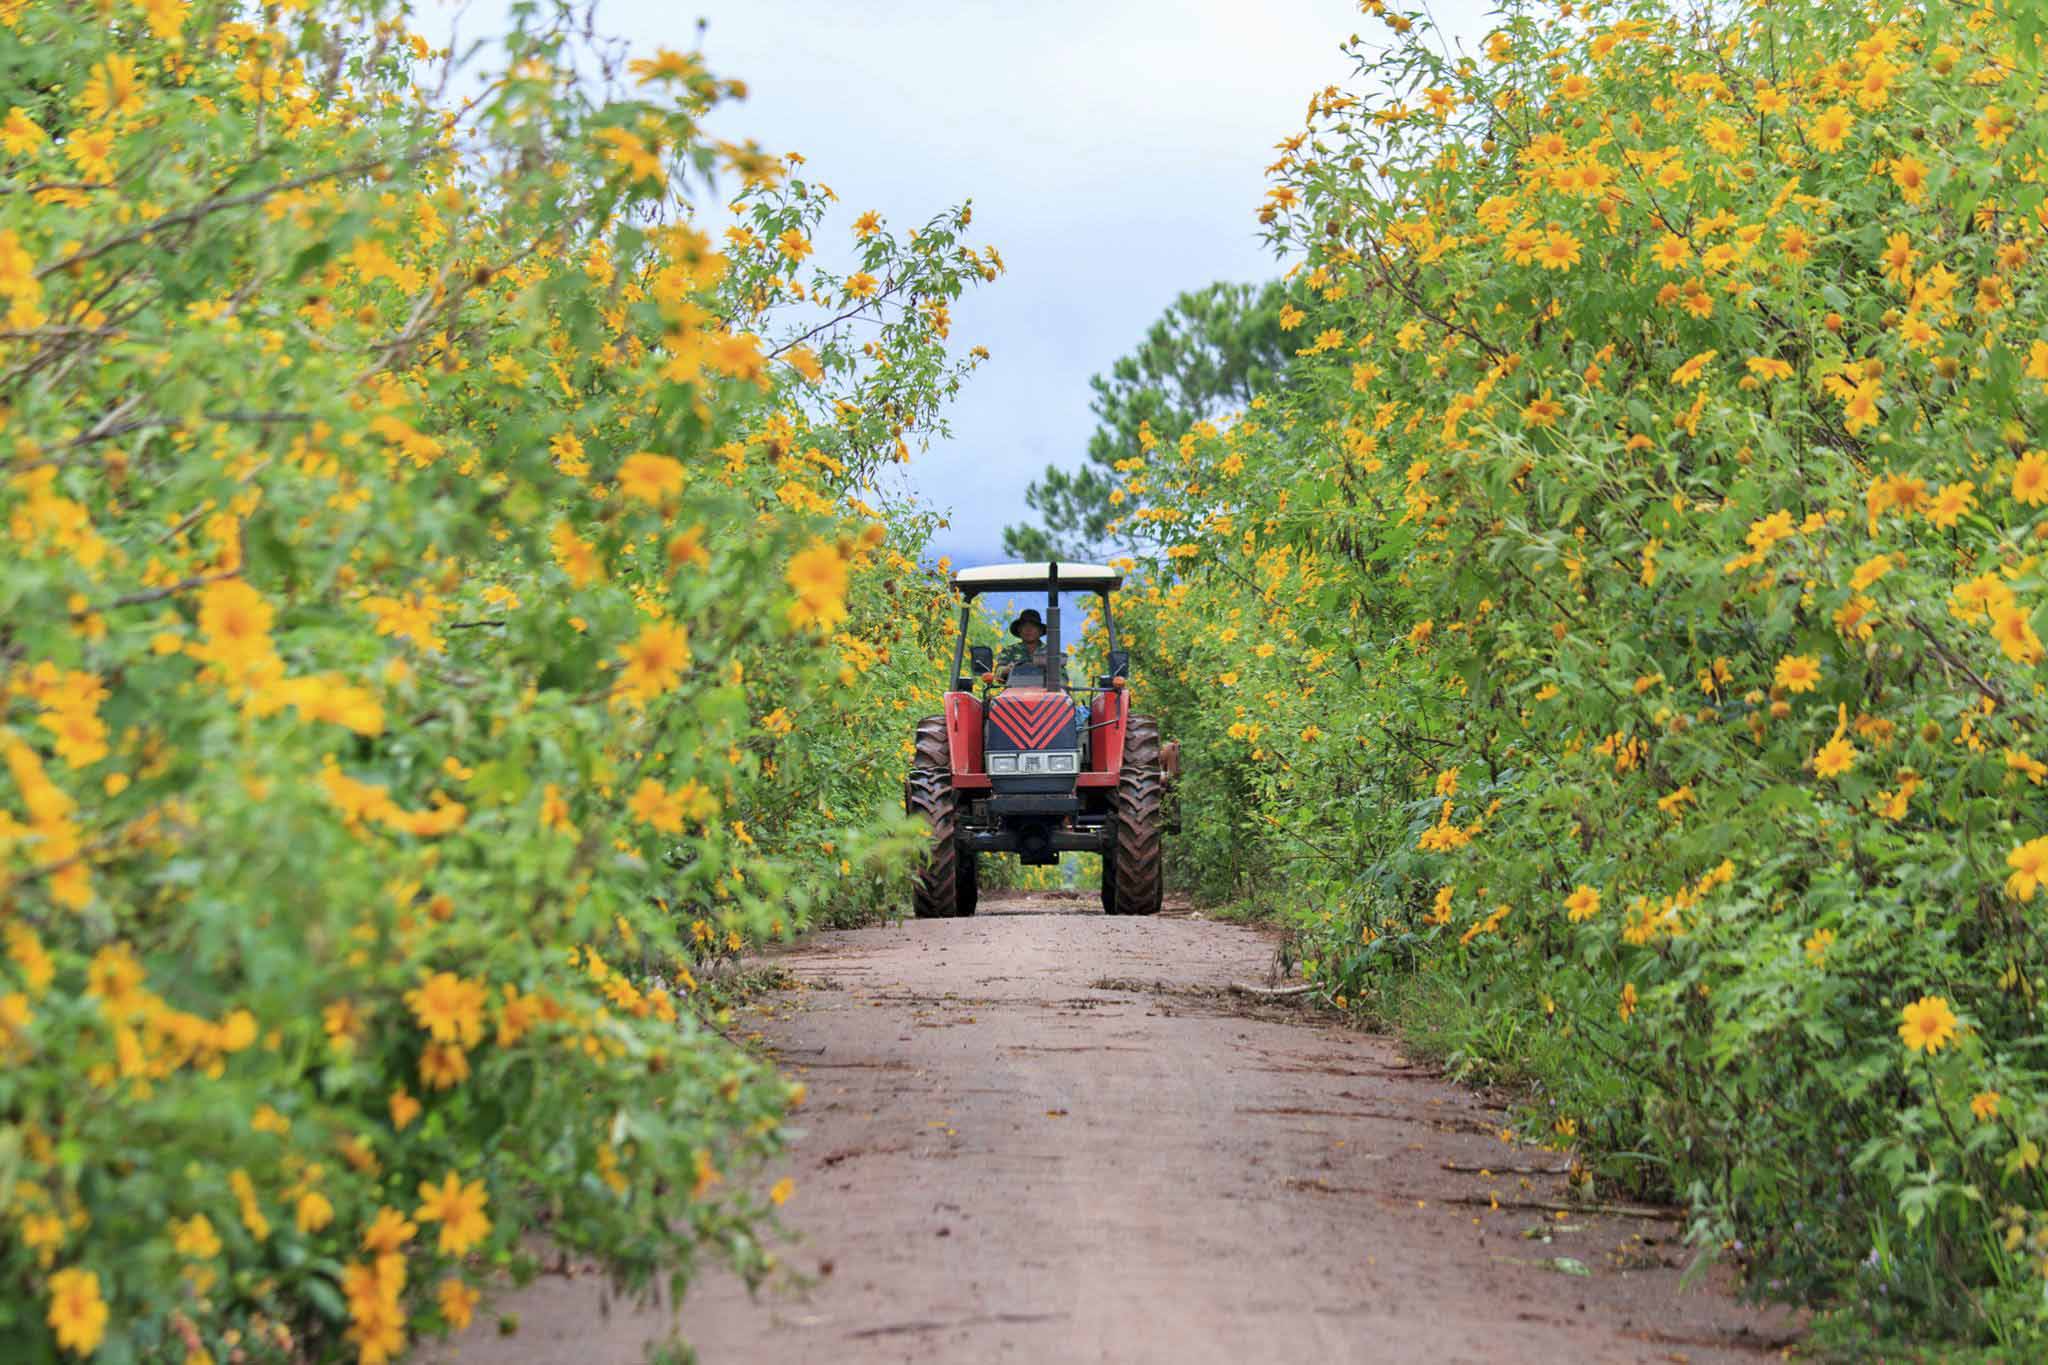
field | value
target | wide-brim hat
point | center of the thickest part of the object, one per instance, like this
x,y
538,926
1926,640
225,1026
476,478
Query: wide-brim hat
x,y
1028,614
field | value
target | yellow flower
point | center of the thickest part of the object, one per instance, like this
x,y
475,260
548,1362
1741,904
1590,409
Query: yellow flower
x,y
2030,479
458,1302
1952,503
165,17
1628,1001
314,1212
15,1017
576,557
113,91
1688,372
388,1232
630,152
1560,250
1927,1024
1984,1105
650,477
444,1065
1994,126
805,362
377,1316
2013,627
665,65
459,1209
1836,757
20,134
1521,245
655,661
1817,946
2029,864
1582,904
1909,173
706,1175
251,1210
554,810
1798,672
1869,571
449,1007
92,151
27,952
1982,596
818,574
77,1313
1831,129
688,549
194,1238
404,1108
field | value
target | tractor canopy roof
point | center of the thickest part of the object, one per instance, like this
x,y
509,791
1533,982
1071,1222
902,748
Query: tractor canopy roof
x,y
1073,577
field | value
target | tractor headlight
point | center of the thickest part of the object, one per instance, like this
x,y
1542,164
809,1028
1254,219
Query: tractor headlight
x,y
1015,764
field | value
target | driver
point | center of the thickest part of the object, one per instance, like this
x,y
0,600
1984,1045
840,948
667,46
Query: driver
x,y
1029,650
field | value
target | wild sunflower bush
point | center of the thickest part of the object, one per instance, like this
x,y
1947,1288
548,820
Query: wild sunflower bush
x,y
1624,629
442,613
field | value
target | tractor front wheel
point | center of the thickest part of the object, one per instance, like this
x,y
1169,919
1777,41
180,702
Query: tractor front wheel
x,y
943,888
1134,864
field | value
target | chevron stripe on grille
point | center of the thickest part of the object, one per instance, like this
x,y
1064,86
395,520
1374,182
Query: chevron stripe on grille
x,y
1030,722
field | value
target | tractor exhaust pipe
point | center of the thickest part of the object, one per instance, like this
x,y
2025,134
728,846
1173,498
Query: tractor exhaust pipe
x,y
1054,660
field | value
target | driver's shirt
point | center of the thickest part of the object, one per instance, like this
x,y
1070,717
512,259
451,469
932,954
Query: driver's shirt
x,y
1021,653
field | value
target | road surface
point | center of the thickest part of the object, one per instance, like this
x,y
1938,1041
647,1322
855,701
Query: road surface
x,y
1046,1135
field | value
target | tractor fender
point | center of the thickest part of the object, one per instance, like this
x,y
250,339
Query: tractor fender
x,y
1109,716
964,733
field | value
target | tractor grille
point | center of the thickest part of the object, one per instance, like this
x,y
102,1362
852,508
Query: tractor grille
x,y
1030,720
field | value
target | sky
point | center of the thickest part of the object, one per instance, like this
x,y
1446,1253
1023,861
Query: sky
x,y
1114,152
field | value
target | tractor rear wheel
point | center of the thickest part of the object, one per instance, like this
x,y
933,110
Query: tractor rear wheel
x,y
941,889
1136,861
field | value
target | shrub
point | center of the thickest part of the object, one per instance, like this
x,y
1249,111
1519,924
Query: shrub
x,y
1628,616
440,616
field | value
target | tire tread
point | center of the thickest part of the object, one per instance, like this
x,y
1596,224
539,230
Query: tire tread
x,y
1138,862
936,889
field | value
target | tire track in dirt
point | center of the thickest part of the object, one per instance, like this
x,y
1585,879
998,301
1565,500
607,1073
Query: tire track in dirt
x,y
1045,1134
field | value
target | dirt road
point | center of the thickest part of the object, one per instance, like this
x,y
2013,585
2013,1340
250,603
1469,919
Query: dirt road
x,y
1043,1135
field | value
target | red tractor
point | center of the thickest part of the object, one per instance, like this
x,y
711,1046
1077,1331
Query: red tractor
x,y
1036,766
